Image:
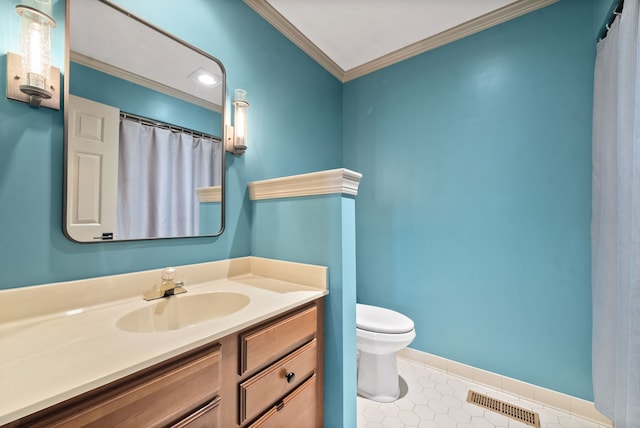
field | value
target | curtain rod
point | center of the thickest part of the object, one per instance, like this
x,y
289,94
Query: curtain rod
x,y
613,13
163,125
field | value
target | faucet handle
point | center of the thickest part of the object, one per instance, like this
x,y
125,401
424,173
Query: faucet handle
x,y
168,274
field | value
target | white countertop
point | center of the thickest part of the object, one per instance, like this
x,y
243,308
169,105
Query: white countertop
x,y
48,358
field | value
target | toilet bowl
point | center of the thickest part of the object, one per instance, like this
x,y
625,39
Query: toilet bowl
x,y
380,333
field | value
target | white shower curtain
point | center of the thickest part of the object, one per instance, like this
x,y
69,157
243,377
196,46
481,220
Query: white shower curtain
x,y
615,227
158,172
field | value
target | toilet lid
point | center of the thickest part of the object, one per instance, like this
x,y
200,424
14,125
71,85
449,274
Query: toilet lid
x,y
381,320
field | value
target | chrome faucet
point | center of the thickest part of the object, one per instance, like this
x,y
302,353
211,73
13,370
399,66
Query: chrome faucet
x,y
168,287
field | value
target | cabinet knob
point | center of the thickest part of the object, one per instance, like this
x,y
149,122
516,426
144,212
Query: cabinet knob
x,y
290,376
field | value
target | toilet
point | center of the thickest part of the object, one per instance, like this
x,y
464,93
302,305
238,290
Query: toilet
x,y
380,333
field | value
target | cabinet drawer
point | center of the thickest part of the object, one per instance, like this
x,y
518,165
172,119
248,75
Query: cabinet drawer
x,y
297,409
274,382
155,398
267,344
206,417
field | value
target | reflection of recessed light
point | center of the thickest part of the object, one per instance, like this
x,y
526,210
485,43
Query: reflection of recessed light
x,y
205,77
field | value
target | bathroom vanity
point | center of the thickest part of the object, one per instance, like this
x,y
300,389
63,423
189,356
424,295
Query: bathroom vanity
x,y
255,367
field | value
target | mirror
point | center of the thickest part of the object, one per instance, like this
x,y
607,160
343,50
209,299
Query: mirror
x,y
144,110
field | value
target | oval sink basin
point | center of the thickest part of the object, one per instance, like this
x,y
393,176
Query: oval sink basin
x,y
174,313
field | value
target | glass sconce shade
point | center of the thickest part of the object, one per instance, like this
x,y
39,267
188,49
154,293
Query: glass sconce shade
x,y
236,134
240,110
35,49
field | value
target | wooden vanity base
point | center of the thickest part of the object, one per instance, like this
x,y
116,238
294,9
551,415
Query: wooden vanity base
x,y
268,375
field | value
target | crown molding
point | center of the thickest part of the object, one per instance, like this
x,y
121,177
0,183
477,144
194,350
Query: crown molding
x,y
465,29
334,181
458,32
271,15
142,81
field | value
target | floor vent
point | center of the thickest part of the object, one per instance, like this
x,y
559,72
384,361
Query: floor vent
x,y
514,412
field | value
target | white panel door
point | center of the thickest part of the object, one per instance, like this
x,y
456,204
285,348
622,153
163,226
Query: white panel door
x,y
92,170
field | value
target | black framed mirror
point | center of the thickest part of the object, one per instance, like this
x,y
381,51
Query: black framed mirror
x,y
144,111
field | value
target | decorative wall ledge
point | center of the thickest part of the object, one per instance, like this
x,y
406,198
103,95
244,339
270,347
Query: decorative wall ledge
x,y
334,181
209,194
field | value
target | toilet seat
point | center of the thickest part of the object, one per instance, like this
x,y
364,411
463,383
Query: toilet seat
x,y
380,333
382,320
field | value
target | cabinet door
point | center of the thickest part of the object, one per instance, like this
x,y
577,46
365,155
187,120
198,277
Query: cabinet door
x,y
206,417
297,409
152,398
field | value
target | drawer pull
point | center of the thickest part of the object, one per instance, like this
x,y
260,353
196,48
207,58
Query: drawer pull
x,y
291,376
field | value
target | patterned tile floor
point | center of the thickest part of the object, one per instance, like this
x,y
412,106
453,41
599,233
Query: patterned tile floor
x,y
430,398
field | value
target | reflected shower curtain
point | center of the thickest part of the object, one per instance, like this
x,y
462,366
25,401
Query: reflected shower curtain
x,y
615,227
158,172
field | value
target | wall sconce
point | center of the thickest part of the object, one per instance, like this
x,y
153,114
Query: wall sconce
x,y
30,77
237,135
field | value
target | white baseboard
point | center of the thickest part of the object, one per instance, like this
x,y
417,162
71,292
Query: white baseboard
x,y
567,403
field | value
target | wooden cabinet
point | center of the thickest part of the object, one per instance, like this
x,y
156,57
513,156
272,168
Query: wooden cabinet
x,y
269,342
274,382
295,410
269,375
160,396
206,417
278,358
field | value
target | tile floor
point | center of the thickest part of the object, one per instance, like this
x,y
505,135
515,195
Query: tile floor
x,y
430,398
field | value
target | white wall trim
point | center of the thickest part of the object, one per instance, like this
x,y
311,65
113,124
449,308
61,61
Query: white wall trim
x,y
209,194
567,403
142,81
290,31
468,28
340,181
458,32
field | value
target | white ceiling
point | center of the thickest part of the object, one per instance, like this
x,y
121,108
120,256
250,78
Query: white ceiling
x,y
354,37
353,32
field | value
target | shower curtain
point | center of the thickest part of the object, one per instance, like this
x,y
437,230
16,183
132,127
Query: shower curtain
x,y
615,228
158,172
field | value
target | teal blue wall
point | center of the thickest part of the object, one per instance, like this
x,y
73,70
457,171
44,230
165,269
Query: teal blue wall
x,y
131,98
295,127
473,216
603,14
473,213
320,230
210,213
